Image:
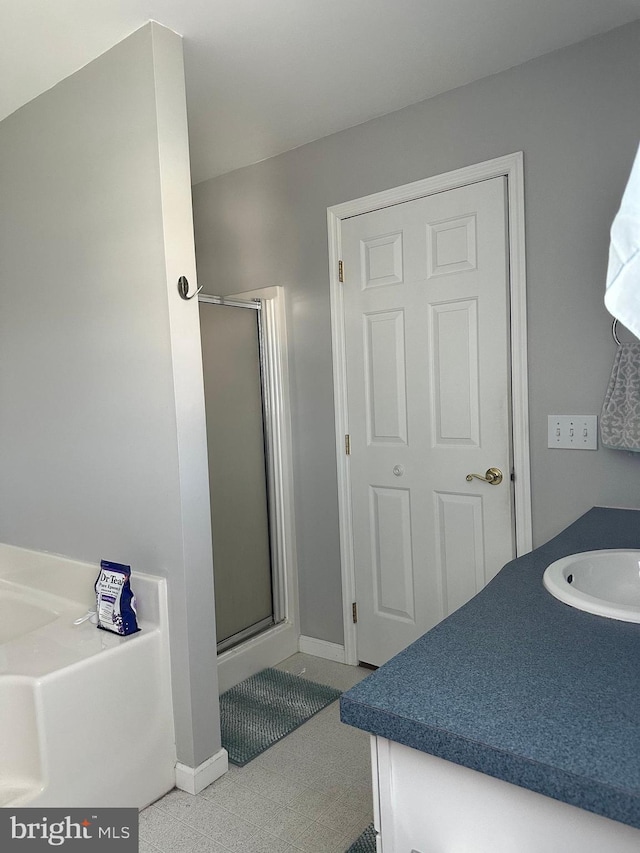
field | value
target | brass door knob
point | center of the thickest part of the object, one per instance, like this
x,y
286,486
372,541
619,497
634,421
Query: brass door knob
x,y
493,476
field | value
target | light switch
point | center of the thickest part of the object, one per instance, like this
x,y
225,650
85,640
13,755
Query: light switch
x,y
574,432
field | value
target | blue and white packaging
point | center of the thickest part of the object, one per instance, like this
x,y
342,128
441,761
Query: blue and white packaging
x,y
115,602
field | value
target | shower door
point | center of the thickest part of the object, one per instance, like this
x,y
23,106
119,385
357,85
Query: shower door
x,y
238,468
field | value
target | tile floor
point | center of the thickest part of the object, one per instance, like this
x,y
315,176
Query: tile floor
x,y
309,793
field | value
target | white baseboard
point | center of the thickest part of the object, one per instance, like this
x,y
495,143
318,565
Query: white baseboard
x,y
321,649
196,779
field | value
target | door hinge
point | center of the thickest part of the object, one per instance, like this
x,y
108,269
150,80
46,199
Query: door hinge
x,y
347,444
340,271
354,612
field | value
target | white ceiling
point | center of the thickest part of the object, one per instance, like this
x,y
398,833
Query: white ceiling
x,y
265,76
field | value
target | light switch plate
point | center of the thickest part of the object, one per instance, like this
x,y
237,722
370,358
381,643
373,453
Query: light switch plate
x,y
573,432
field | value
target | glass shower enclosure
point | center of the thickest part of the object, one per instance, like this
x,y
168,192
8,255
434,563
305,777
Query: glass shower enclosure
x,y
239,468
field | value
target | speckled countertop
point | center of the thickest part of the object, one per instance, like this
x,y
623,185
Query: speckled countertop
x,y
517,685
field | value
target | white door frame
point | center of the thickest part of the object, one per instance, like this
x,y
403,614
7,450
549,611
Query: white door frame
x,y
511,167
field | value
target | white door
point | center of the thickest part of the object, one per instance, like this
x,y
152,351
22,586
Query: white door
x,y
428,388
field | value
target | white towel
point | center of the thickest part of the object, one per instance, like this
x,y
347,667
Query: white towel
x,y
622,296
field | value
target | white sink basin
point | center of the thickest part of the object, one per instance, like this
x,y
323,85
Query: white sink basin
x,y
606,583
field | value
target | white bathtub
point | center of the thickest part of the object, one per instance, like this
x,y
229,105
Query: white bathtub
x,y
85,716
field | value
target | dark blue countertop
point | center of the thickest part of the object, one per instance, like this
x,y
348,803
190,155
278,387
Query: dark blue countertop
x,y
522,687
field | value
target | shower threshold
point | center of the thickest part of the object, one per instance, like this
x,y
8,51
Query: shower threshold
x,y
245,634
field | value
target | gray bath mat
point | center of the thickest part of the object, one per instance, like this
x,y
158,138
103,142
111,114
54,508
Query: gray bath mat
x,y
262,710
365,843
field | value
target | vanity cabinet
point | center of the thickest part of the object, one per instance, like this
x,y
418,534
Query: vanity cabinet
x,y
513,726
425,804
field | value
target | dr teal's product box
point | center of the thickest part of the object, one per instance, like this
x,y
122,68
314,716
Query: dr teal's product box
x,y
115,602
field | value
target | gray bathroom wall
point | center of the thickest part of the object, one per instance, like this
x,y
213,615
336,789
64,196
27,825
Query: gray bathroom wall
x,y
102,430
574,114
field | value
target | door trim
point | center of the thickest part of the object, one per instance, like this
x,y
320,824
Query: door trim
x,y
510,166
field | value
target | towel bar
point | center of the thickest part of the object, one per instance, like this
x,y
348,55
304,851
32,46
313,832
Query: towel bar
x,y
614,326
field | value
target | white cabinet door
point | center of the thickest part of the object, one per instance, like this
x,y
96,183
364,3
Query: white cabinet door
x,y
428,385
427,804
